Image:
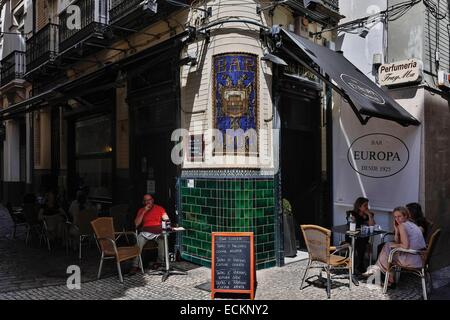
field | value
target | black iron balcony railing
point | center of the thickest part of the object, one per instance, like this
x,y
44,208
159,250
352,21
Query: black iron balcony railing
x,y
120,8
94,18
332,4
12,67
42,46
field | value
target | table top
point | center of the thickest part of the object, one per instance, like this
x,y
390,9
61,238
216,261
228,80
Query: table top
x,y
159,230
344,229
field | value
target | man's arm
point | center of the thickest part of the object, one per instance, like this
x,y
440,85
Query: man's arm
x,y
165,216
139,217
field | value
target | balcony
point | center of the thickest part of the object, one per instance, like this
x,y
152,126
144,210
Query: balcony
x,y
12,67
332,4
137,14
42,47
94,19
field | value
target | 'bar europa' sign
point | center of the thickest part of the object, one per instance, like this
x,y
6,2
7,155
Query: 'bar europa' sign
x,y
401,72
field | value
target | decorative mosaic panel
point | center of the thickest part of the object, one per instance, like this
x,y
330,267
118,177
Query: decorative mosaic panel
x,y
235,101
228,205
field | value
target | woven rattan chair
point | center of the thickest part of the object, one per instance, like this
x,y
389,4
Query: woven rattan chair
x,y
323,256
423,271
104,232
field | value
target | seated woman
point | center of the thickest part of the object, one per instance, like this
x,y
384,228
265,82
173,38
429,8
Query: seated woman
x,y
54,217
415,209
77,208
407,236
361,215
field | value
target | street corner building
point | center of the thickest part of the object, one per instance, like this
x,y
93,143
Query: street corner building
x,y
222,109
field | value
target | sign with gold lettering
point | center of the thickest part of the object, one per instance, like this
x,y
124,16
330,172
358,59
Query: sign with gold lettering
x,y
235,101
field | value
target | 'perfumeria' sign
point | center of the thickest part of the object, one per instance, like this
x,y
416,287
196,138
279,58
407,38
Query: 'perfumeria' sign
x,y
378,155
401,72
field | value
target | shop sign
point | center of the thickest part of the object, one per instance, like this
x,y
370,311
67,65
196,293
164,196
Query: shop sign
x,y
444,79
401,72
362,89
378,155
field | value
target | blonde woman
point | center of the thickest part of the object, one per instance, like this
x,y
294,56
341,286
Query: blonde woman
x,y
407,236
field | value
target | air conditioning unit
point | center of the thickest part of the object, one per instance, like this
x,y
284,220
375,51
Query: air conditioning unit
x,y
444,80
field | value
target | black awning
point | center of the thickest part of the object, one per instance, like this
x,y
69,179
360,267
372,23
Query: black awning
x,y
365,97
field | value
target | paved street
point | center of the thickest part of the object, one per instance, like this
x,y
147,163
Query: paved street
x,y
34,273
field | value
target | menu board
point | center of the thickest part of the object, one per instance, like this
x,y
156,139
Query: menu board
x,y
233,263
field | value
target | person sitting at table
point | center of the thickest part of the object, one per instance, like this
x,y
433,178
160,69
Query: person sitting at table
x,y
362,216
148,217
417,216
76,208
53,215
407,236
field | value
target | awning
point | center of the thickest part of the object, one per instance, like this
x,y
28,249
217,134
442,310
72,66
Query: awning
x,y
364,96
71,88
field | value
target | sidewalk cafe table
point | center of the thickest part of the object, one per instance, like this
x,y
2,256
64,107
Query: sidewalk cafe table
x,y
345,229
167,271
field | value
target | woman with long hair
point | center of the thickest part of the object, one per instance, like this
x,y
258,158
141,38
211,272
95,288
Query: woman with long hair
x,y
362,216
407,236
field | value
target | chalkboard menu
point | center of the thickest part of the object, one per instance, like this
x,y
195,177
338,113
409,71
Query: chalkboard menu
x,y
233,263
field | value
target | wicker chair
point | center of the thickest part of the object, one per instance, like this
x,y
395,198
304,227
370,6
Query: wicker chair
x,y
422,271
104,232
323,255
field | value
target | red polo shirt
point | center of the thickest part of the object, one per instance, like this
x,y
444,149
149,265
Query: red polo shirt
x,y
153,217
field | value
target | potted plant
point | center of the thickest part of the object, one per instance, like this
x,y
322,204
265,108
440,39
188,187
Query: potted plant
x,y
290,247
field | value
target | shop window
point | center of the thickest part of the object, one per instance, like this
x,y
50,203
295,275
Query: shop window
x,y
93,146
93,136
96,174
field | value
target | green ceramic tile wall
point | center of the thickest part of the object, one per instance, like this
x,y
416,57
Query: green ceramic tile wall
x,y
228,205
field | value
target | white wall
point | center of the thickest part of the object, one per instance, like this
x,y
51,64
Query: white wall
x,y
358,50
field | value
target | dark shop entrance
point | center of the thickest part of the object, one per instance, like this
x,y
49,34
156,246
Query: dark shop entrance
x,y
300,156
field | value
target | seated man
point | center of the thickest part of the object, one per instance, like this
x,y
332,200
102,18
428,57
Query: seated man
x,y
147,217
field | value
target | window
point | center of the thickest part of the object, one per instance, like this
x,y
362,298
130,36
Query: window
x,y
19,18
93,147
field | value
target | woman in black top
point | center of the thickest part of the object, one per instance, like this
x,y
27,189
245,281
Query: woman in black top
x,y
362,216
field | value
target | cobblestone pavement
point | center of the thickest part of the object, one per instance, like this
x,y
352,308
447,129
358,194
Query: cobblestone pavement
x,y
34,273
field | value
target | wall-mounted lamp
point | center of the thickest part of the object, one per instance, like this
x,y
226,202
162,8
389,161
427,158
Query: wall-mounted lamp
x,y
188,60
274,59
363,32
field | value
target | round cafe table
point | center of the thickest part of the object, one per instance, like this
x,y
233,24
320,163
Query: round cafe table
x,y
167,270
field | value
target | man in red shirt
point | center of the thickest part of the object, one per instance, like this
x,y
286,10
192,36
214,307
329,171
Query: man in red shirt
x,y
148,217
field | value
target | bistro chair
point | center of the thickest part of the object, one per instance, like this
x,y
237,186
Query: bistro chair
x,y
34,225
324,256
119,213
106,238
17,218
83,230
423,272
